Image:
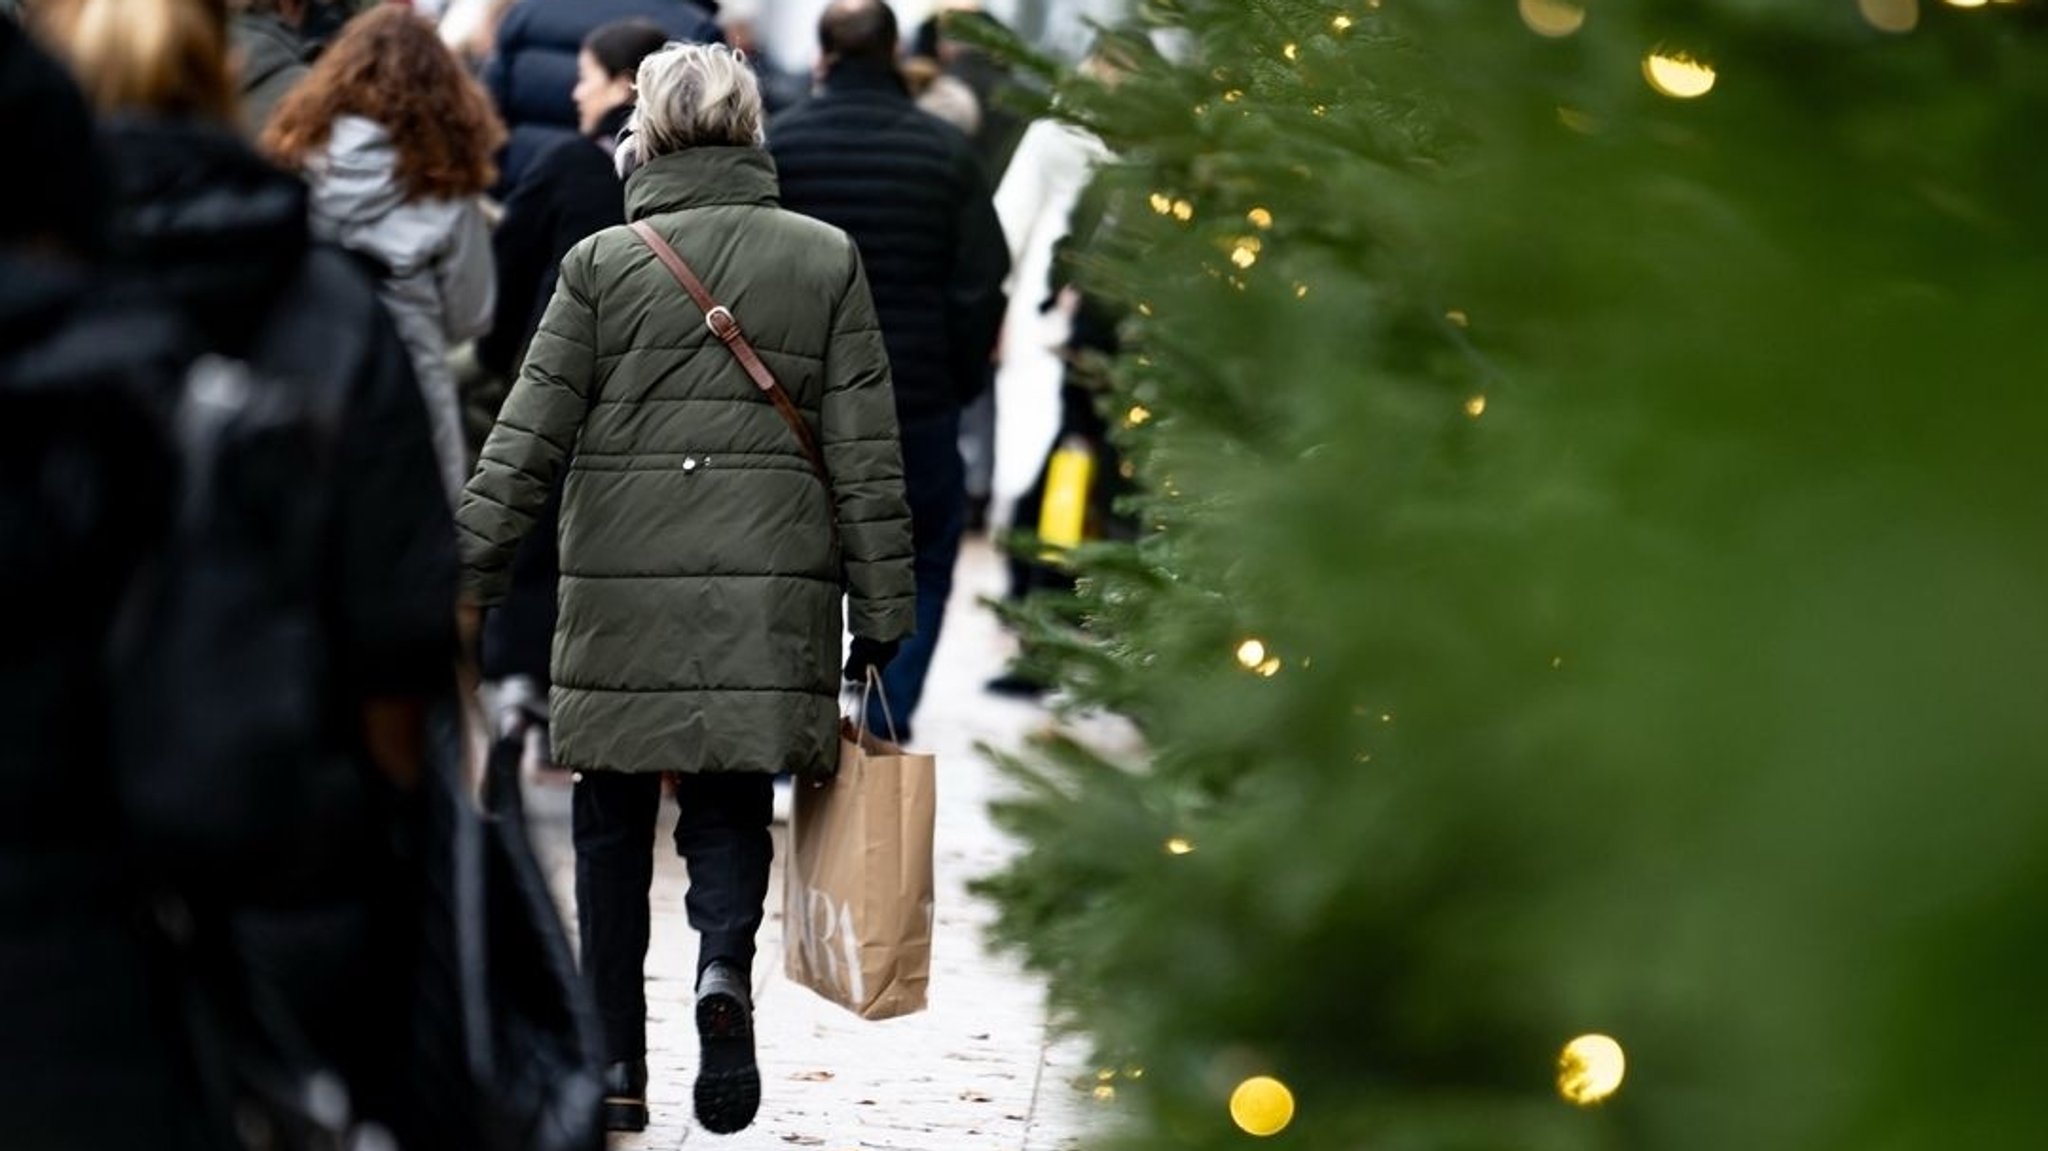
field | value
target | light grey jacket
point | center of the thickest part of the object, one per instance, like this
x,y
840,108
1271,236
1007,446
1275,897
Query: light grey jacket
x,y
435,255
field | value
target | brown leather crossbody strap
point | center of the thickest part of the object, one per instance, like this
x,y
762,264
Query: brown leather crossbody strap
x,y
726,327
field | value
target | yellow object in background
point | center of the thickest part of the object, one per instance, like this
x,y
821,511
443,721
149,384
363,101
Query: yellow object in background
x,y
1262,1106
1063,520
1590,1069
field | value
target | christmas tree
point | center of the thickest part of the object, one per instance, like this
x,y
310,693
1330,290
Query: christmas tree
x,y
1591,582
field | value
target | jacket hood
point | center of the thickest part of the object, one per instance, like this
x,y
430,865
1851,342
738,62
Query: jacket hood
x,y
355,181
701,177
207,221
358,203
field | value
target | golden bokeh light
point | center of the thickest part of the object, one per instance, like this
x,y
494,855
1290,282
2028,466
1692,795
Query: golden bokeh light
x,y
1590,1070
1162,203
1260,218
1251,653
1553,18
1291,51
1341,24
1967,3
1475,407
1183,211
1678,75
1890,15
1139,414
1262,1106
1180,845
1270,668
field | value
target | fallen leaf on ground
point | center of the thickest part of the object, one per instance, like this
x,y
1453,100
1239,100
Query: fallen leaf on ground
x,y
813,1077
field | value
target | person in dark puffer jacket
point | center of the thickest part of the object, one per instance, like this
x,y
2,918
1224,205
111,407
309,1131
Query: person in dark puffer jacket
x,y
709,564
533,71
85,1020
224,237
861,157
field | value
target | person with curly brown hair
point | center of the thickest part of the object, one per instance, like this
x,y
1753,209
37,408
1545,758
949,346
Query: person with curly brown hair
x,y
396,140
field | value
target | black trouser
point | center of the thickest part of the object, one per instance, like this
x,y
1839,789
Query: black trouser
x,y
722,833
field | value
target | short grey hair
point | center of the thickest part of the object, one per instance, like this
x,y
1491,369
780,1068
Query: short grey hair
x,y
697,95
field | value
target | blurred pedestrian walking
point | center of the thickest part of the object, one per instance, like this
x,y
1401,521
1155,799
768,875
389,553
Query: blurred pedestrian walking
x,y
533,73
861,156
322,929
964,75
571,191
709,535
1037,201
87,1019
396,140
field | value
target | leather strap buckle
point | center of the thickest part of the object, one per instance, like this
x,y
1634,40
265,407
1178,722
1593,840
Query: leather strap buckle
x,y
722,323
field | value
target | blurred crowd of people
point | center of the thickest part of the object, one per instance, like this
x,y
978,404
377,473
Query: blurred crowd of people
x,y
320,335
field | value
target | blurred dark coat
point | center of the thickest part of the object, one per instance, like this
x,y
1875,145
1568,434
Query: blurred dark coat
x,y
571,192
225,237
222,234
533,71
701,588
861,157
85,1017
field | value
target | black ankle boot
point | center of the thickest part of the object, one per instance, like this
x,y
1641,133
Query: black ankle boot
x,y
728,1091
625,1096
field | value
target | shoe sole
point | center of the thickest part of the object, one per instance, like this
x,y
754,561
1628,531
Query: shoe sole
x,y
728,1093
625,1115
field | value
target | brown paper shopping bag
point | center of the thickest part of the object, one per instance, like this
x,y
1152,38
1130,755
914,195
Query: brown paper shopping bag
x,y
857,896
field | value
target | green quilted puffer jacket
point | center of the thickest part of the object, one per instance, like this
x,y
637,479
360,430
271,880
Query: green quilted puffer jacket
x,y
701,581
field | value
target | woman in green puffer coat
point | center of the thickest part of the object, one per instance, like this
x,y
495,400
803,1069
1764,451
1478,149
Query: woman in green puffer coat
x,y
703,559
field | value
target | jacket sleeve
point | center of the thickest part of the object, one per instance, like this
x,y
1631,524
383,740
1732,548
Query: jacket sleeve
x,y
865,456
975,300
465,276
534,435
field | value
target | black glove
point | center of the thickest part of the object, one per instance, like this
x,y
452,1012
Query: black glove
x,y
869,653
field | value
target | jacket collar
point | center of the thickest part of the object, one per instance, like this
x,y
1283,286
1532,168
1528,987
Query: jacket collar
x,y
701,178
610,125
869,77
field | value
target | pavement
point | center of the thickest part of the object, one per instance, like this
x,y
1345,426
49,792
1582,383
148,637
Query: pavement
x,y
979,1070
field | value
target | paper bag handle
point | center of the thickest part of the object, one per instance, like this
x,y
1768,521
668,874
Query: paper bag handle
x,y
871,688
